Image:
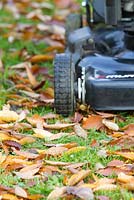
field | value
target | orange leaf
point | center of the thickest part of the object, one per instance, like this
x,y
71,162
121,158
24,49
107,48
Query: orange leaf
x,y
127,155
35,120
9,196
75,178
93,121
31,77
41,58
27,140
123,178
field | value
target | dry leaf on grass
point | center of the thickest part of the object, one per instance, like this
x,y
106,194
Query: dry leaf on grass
x,y
40,133
57,193
92,122
80,131
56,151
82,193
127,155
110,125
75,150
8,116
20,192
75,178
30,174
9,196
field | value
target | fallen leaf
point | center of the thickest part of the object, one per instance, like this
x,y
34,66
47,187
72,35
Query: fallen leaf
x,y
25,154
8,116
40,133
35,120
57,193
106,187
75,150
92,122
20,192
82,193
123,178
57,163
127,155
27,174
57,126
75,178
57,136
110,125
56,151
9,196
80,131
41,58
12,143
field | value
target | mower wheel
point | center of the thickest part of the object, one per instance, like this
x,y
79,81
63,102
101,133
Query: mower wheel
x,y
64,84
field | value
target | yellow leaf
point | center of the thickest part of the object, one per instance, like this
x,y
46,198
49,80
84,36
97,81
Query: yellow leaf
x,y
127,155
40,133
9,196
75,178
107,186
8,116
75,150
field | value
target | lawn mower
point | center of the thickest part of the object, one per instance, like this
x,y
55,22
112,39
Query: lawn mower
x,y
97,67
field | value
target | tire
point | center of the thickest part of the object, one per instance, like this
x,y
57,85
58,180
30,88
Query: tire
x,y
64,84
73,22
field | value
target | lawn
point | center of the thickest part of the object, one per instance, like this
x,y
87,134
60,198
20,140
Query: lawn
x,y
44,155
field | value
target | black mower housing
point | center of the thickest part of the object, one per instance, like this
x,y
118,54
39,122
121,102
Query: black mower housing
x,y
103,62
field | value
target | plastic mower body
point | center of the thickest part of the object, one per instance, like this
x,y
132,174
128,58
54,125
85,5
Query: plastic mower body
x,y
97,67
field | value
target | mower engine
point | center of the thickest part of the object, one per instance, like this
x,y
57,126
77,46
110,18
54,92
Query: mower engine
x,y
97,67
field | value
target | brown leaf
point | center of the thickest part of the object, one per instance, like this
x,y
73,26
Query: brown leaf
x,y
93,121
57,136
80,131
115,163
25,154
75,178
12,143
27,174
57,193
20,192
56,151
41,58
82,193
